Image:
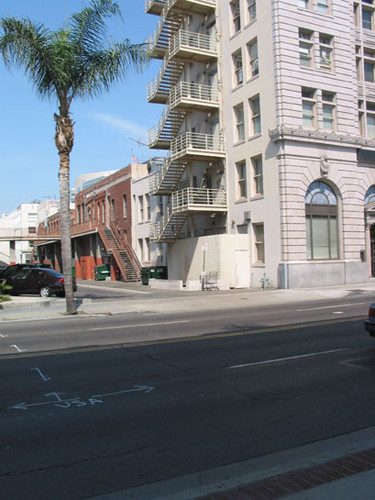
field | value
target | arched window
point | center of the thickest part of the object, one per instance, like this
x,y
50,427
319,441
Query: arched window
x,y
321,222
370,195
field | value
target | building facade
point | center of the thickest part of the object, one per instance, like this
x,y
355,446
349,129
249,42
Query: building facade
x,y
102,226
269,129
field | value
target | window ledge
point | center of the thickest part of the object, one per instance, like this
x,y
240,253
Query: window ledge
x,y
257,197
241,200
242,141
255,77
255,136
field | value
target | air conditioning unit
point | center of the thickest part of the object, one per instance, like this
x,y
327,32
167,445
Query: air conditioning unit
x,y
247,215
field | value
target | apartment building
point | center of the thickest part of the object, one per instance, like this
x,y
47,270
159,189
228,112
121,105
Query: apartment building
x,y
269,130
19,228
110,221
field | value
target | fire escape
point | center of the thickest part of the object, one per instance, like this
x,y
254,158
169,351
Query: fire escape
x,y
179,48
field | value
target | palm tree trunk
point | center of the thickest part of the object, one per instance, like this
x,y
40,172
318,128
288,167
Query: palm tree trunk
x,y
64,143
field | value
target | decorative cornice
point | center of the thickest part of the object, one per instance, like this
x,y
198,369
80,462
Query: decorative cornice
x,y
282,132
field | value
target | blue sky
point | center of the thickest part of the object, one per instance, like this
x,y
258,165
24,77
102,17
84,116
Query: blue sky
x,y
106,128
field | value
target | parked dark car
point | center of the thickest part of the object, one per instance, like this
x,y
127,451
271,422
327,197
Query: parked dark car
x,y
370,322
11,270
46,282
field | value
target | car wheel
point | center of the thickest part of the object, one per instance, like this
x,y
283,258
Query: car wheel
x,y
45,291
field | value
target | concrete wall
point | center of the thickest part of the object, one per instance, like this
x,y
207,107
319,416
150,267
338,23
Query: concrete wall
x,y
306,275
227,254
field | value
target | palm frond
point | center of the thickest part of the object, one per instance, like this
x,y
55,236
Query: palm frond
x,y
87,27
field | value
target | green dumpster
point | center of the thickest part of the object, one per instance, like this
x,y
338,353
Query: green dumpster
x,y
101,272
159,273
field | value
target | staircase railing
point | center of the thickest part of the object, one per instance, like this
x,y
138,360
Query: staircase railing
x,y
124,245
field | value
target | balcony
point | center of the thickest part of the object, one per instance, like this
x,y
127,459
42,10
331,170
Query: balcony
x,y
169,24
192,145
190,96
199,200
190,46
192,6
155,6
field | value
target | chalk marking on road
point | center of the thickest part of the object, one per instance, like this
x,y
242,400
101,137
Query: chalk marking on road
x,y
139,325
289,358
18,349
332,307
3,336
138,388
44,377
77,402
338,312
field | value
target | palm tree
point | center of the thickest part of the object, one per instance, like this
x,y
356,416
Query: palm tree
x,y
73,62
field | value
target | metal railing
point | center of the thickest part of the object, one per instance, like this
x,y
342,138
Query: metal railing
x,y
194,142
148,3
190,40
193,91
211,3
190,198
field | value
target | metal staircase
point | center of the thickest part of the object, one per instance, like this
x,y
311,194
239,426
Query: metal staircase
x,y
165,181
169,124
169,227
123,254
168,75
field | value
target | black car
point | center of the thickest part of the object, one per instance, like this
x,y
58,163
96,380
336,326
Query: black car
x,y
11,270
46,282
370,322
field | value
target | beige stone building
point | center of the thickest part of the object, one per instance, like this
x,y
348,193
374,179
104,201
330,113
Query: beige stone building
x,y
268,123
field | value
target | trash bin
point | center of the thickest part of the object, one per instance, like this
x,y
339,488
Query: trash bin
x,y
159,273
101,272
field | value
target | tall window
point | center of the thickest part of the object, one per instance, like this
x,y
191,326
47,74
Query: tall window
x,y
253,56
321,222
148,208
370,195
238,69
369,67
240,123
259,243
257,167
141,208
367,18
329,110
241,180
124,207
325,50
236,15
305,48
322,6
252,10
308,107
304,4
255,115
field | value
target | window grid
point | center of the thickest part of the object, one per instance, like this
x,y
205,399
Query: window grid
x,y
240,122
305,48
253,56
252,10
238,68
236,15
325,51
257,166
259,243
255,115
241,180
308,107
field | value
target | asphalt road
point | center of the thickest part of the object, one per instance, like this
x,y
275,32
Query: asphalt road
x,y
94,405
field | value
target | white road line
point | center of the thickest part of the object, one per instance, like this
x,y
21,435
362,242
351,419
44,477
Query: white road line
x,y
280,360
332,307
138,325
113,289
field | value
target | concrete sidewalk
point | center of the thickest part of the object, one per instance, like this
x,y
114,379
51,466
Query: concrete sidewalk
x,y
341,468
140,298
